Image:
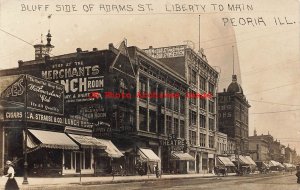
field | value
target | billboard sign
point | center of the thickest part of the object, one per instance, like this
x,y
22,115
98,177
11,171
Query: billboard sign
x,y
44,96
79,78
166,52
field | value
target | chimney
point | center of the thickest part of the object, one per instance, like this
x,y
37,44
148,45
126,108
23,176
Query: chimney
x,y
111,46
150,47
78,50
95,49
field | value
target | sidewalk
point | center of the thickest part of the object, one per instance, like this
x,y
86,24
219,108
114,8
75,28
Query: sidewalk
x,y
42,181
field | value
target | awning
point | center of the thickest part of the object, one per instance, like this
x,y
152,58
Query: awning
x,y
244,160
48,139
87,141
182,156
111,150
250,160
148,155
274,163
225,161
266,164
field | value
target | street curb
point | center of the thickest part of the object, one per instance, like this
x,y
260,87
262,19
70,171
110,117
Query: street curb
x,y
143,180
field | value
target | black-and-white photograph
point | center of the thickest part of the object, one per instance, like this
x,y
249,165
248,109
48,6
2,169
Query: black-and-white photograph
x,y
145,94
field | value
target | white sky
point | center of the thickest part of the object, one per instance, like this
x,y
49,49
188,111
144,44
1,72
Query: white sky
x,y
268,56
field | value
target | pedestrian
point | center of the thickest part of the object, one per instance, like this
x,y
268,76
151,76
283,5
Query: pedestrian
x,y
156,171
298,176
11,183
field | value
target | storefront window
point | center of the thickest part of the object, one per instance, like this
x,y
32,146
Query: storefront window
x,y
152,121
204,163
143,119
87,163
68,160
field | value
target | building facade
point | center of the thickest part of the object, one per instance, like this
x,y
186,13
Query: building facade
x,y
200,111
233,115
122,107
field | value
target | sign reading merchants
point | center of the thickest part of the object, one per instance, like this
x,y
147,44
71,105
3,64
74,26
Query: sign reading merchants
x,y
78,77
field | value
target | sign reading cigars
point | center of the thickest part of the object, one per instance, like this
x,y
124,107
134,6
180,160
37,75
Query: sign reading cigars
x,y
39,94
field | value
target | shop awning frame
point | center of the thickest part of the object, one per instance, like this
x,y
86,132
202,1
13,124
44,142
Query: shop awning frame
x,y
111,150
87,141
182,156
250,160
49,139
225,161
244,160
148,155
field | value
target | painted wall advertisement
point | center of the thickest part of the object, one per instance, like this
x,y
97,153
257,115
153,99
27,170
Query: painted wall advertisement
x,y
79,78
38,94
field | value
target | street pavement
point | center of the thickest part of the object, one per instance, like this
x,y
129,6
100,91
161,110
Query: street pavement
x,y
167,182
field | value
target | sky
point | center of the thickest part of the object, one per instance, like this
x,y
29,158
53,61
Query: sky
x,y
264,50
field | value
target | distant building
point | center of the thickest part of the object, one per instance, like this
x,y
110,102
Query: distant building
x,y
259,147
221,143
233,115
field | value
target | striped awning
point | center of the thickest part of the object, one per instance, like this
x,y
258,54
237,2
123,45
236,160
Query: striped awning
x,y
148,155
244,160
111,150
250,160
225,161
49,139
182,156
88,141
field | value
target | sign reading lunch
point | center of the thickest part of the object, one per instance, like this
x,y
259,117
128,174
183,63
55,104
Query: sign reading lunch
x,y
44,95
78,77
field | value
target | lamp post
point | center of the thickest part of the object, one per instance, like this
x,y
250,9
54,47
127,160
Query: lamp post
x,y
25,180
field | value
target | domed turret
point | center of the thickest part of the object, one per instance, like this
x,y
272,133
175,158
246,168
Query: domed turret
x,y
234,86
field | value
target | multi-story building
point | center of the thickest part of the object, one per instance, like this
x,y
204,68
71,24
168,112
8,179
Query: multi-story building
x,y
259,148
201,121
233,115
136,100
221,143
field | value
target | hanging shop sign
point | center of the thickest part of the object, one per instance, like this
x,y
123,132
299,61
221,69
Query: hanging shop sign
x,y
38,94
79,78
46,118
166,52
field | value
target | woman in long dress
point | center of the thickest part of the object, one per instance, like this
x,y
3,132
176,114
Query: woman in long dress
x,y
11,183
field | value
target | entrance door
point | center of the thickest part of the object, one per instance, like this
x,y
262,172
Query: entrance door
x,y
197,163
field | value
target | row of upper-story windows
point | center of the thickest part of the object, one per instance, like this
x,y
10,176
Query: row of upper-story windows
x,y
202,82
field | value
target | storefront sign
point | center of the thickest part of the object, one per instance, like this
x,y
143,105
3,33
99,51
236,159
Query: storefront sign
x,y
174,143
166,52
78,77
44,95
46,118
103,131
92,111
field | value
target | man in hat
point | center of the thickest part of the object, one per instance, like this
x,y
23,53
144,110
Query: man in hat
x,y
11,183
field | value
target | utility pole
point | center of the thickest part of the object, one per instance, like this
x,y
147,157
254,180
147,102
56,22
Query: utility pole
x,y
25,180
